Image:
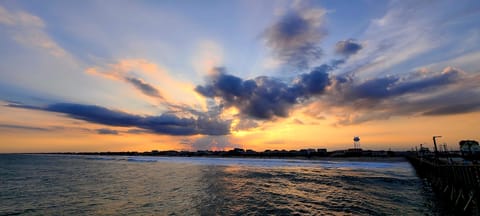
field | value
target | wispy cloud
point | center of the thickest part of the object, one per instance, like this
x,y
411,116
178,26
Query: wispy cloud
x,y
144,87
454,109
23,127
106,131
28,29
402,34
149,79
122,72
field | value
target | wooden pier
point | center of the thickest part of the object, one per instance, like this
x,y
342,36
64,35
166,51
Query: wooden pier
x,y
457,184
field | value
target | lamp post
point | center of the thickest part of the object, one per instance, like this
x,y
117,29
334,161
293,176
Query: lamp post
x,y
435,146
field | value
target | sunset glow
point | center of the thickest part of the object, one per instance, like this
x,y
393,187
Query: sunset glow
x,y
214,75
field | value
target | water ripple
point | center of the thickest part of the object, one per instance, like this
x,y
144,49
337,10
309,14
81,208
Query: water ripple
x,y
89,185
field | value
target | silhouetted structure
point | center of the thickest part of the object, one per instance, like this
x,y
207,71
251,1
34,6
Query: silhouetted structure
x,y
239,152
356,142
453,176
470,149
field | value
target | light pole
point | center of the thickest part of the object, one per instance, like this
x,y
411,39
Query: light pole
x,y
435,146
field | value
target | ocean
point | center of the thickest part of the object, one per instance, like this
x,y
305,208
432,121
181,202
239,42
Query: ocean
x,y
124,185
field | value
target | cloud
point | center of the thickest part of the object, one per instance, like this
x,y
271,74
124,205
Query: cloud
x,y
137,131
294,38
107,131
139,84
314,82
265,97
450,75
298,121
211,143
454,109
163,124
353,101
22,127
245,124
148,78
94,114
353,96
401,36
144,87
385,87
375,88
347,47
28,29
468,61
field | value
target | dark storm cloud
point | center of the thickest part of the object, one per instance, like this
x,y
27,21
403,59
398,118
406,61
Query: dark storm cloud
x,y
107,131
265,97
163,124
347,47
295,37
144,87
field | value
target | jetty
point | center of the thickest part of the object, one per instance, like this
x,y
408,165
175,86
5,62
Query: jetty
x,y
454,176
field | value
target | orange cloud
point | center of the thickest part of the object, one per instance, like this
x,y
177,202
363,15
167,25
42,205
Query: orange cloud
x,y
173,90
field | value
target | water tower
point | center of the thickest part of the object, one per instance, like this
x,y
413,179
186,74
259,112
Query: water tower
x,y
356,142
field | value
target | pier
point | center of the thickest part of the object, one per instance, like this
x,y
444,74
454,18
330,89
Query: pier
x,y
452,177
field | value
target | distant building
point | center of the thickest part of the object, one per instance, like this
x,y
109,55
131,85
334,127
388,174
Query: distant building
x,y
469,147
322,150
238,150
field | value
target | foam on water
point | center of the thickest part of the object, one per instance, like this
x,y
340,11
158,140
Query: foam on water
x,y
257,162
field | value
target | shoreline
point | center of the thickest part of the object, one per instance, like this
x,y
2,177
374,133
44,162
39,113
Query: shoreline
x,y
312,158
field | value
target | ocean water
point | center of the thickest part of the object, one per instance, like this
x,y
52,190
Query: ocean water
x,y
121,185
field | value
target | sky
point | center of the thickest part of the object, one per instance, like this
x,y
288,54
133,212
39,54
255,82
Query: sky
x,y
215,75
